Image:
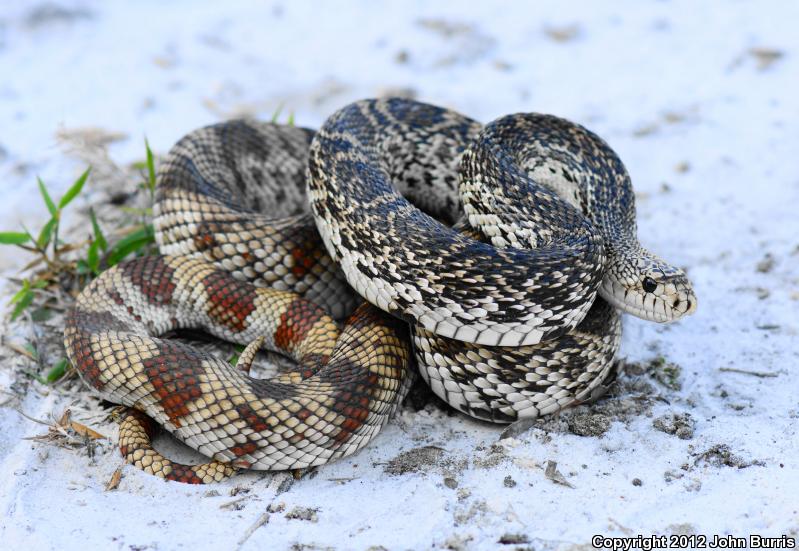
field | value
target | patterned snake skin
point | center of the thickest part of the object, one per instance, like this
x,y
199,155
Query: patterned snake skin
x,y
493,242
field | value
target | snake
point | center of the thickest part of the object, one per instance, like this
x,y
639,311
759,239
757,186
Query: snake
x,y
400,238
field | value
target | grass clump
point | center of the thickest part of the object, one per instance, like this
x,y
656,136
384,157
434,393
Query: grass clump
x,y
60,269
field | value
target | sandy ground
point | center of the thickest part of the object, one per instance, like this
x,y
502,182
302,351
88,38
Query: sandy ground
x,y
699,435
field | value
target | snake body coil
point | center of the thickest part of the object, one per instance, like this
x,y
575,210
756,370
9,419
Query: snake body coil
x,y
493,242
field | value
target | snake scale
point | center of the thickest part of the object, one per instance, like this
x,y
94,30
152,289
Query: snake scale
x,y
498,256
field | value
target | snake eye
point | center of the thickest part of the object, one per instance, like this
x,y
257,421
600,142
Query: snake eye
x,y
650,285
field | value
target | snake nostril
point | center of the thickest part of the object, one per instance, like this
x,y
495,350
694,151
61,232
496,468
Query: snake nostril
x,y
675,303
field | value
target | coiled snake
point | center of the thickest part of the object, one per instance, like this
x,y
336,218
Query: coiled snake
x,y
516,227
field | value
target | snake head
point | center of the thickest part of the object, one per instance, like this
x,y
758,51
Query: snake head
x,y
647,287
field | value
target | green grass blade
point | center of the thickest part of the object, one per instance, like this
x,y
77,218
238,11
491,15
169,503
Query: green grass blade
x,y
131,244
32,349
46,233
99,238
26,287
150,166
22,303
57,371
14,238
74,190
47,199
82,267
93,257
277,112
234,357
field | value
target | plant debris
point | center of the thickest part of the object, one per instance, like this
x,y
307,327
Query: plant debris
x,y
680,425
589,424
766,57
766,264
553,474
563,34
761,374
66,433
496,455
414,461
511,539
666,373
113,482
721,455
303,513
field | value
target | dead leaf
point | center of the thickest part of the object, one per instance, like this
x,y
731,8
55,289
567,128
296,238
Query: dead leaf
x,y
672,117
765,57
83,430
555,475
79,428
113,482
563,34
517,428
646,130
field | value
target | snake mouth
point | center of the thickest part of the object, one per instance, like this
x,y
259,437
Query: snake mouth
x,y
655,309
